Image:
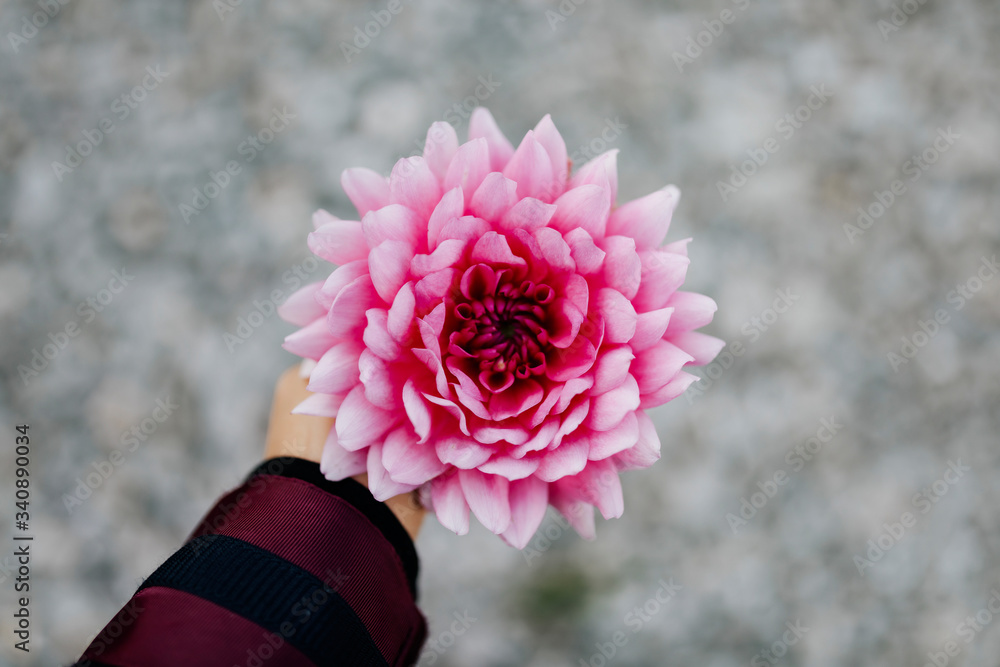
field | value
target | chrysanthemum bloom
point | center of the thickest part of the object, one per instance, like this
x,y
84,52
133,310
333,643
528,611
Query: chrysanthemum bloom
x,y
495,329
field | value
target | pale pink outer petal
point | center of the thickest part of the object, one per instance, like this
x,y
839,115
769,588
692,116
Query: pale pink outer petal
x,y
446,254
482,124
494,197
604,444
669,391
394,222
451,206
584,207
409,462
337,463
468,168
550,139
359,423
598,484
380,484
440,147
414,185
380,386
528,214
417,411
509,467
531,168
646,451
319,405
346,318
401,313
608,409
649,328
302,308
588,257
311,341
387,266
337,241
662,274
619,316
646,219
622,267
366,189
488,498
611,368
655,367
337,370
450,505
569,458
602,171
341,277
376,336
701,346
579,514
529,499
462,452
691,311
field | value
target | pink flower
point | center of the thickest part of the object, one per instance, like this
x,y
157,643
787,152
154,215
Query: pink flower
x,y
495,329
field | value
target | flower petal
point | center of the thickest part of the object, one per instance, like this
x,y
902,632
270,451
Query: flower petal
x,y
302,308
691,311
494,197
366,189
604,444
451,206
409,462
337,463
401,314
528,214
602,171
646,219
550,139
701,346
341,277
394,222
492,248
598,484
587,256
468,168
387,266
579,514
380,484
446,254
531,168
337,370
510,467
619,316
337,241
585,207
622,266
376,376
449,503
608,409
359,423
347,314
462,452
417,411
662,274
516,399
488,498
482,124
669,391
529,498
611,368
649,328
319,405
414,185
646,451
569,458
440,147
658,365
311,341
376,336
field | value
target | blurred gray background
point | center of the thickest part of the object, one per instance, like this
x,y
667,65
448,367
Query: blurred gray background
x,y
688,91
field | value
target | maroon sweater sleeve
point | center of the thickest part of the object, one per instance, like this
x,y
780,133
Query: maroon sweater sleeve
x,y
288,569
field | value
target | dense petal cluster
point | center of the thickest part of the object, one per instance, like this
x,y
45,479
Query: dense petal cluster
x,y
495,329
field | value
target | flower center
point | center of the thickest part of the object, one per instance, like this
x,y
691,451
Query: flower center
x,y
498,329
